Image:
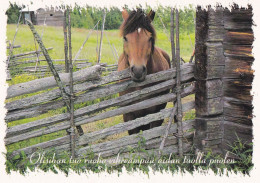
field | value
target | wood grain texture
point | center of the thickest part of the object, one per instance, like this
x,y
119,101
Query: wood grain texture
x,y
97,92
122,100
238,19
49,82
17,133
105,132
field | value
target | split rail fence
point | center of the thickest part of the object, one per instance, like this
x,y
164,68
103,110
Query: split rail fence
x,y
221,80
89,86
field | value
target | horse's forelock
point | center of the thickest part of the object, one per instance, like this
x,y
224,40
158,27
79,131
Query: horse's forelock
x,y
137,19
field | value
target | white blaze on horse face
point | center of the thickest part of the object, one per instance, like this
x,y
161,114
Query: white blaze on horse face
x,y
139,30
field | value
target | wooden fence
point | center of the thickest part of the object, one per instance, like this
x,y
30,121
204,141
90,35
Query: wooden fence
x,y
19,65
224,77
89,87
221,79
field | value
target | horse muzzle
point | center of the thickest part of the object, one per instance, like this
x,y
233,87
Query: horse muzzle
x,y
139,73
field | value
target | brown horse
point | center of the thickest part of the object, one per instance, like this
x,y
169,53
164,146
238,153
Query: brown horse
x,y
140,54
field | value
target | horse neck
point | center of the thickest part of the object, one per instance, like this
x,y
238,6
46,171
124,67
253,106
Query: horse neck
x,y
153,64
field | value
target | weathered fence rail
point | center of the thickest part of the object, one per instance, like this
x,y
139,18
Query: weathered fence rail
x,y
44,98
44,60
88,87
15,46
47,83
29,53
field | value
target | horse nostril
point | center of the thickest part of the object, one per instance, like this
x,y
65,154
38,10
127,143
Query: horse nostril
x,y
144,68
132,69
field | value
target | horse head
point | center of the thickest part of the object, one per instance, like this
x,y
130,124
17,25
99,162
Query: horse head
x,y
139,38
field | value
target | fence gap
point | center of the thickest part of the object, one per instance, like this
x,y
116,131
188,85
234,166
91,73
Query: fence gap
x,y
116,53
78,53
112,50
164,27
172,65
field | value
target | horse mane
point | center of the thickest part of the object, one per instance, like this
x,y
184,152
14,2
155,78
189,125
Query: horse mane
x,y
138,19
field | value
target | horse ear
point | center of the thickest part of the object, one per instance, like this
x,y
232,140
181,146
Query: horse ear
x,y
151,15
125,14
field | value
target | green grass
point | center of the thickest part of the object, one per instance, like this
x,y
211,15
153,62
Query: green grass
x,y
242,163
53,37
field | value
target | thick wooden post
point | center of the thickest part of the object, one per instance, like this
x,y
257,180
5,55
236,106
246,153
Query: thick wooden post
x,y
209,69
223,60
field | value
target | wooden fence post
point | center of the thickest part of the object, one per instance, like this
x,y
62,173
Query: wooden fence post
x,y
97,45
209,70
80,130
101,37
37,54
72,124
173,62
11,47
178,88
177,104
50,63
65,41
37,50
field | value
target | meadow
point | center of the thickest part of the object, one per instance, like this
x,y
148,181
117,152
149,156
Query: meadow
x,y
53,37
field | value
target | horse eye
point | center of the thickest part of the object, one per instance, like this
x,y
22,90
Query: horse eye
x,y
150,39
125,39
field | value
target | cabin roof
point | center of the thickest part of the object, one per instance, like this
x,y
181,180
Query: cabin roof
x,y
30,8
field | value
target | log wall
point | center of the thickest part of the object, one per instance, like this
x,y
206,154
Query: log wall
x,y
53,17
224,76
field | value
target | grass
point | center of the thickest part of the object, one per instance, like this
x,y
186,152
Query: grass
x,y
53,37
173,163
